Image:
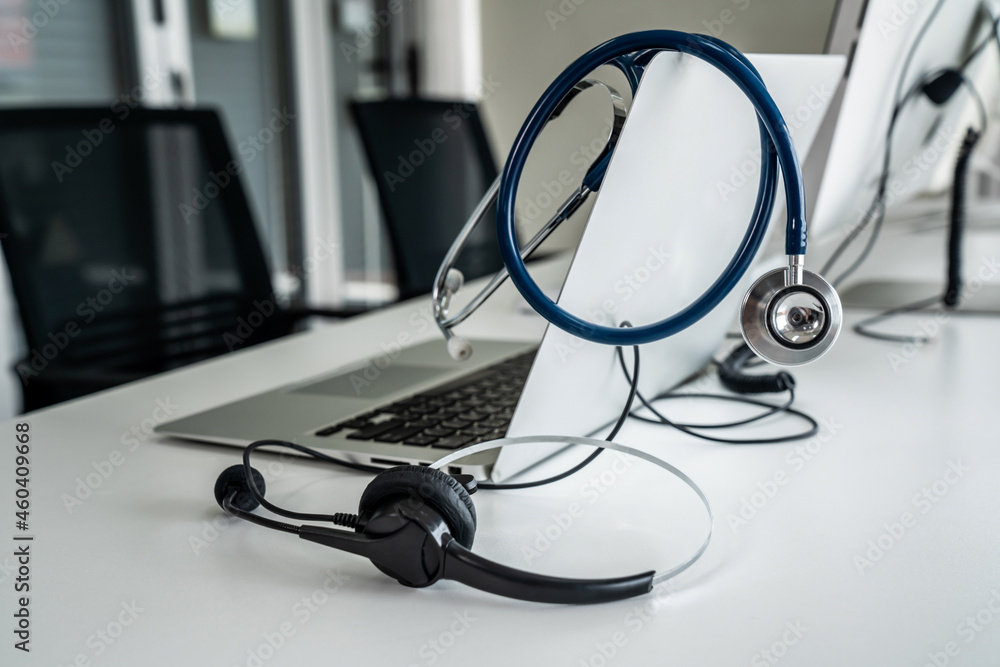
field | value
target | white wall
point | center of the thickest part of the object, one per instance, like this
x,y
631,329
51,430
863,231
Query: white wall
x,y
452,48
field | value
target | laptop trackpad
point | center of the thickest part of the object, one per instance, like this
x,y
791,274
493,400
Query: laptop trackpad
x,y
371,382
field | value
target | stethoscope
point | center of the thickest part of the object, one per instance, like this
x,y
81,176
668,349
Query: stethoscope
x,y
789,316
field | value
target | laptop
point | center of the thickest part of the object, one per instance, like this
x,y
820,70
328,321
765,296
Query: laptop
x,y
423,404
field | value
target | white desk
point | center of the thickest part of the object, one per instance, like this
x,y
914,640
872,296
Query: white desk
x,y
214,592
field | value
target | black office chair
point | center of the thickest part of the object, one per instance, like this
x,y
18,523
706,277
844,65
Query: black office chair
x,y
432,164
130,246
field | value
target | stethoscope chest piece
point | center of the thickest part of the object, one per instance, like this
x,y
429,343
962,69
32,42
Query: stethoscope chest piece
x,y
788,322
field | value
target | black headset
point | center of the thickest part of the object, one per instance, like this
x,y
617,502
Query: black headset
x,y
417,524
735,379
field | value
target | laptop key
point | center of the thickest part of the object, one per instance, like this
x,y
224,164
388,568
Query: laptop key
x,y
479,404
328,431
420,440
452,442
376,430
399,434
423,422
357,422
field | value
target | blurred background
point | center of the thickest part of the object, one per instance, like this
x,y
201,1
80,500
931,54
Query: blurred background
x,y
283,76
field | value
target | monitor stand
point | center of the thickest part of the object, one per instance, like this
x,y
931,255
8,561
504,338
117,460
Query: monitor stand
x,y
978,299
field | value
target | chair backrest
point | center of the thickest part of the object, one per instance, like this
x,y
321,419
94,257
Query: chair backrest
x,y
128,236
432,164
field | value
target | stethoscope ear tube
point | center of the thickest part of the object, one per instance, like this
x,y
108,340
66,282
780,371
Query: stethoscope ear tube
x,y
447,284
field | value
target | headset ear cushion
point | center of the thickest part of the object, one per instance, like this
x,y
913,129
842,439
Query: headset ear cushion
x,y
440,491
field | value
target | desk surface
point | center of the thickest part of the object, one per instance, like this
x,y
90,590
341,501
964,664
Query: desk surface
x,y
877,543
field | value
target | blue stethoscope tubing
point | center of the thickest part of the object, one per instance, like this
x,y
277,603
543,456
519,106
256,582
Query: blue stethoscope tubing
x,y
630,53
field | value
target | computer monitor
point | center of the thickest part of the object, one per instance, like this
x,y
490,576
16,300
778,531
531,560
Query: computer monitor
x,y
432,164
879,34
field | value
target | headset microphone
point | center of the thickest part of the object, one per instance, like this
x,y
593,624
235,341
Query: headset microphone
x,y
417,525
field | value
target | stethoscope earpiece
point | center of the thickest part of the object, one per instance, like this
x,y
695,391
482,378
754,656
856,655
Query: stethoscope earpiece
x,y
791,316
458,348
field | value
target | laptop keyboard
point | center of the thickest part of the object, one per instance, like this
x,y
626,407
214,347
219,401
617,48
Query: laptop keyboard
x,y
471,409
